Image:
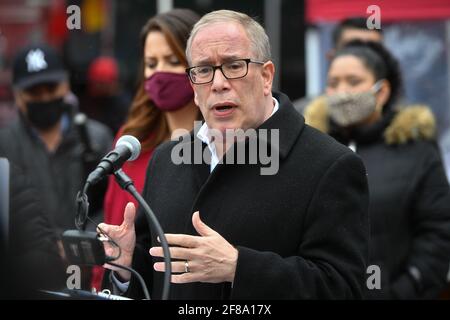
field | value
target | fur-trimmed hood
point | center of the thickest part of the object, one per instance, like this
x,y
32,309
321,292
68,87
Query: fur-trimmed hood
x,y
414,122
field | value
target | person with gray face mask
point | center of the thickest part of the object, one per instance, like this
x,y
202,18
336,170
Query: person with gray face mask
x,y
409,206
347,109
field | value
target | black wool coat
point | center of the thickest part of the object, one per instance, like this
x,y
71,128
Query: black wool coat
x,y
409,200
301,233
409,209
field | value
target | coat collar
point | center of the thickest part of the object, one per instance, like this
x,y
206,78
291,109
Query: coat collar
x,y
401,125
287,120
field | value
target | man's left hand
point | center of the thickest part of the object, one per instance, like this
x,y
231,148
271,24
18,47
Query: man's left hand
x,y
207,258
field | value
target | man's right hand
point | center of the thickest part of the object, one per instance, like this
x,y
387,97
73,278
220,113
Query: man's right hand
x,y
125,237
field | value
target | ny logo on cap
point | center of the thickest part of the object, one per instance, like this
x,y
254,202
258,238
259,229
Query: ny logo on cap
x,y
36,60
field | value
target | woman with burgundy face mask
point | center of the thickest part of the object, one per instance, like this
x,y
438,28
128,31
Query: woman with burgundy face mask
x,y
163,103
409,203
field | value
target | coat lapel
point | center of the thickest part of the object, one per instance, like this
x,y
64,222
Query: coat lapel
x,y
288,121
290,125
202,170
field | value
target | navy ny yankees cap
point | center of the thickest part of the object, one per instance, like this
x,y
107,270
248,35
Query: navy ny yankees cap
x,y
35,65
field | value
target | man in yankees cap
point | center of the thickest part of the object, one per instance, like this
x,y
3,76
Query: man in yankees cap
x,y
45,141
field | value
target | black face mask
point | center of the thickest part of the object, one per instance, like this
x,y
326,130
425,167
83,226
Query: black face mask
x,y
44,115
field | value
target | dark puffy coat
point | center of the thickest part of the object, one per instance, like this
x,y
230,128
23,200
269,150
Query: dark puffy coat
x,y
409,199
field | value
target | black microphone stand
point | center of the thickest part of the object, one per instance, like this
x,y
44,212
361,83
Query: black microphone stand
x,y
127,184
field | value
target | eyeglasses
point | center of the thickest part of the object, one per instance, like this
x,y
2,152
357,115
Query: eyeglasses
x,y
231,70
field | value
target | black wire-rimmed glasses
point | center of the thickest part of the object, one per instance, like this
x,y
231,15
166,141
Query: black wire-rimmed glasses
x,y
231,70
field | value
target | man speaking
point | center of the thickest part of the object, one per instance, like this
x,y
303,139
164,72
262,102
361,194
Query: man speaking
x,y
235,233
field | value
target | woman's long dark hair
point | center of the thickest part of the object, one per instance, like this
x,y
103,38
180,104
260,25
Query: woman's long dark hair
x,y
145,121
380,62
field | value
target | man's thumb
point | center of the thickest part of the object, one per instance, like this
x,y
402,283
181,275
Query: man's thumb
x,y
200,226
129,215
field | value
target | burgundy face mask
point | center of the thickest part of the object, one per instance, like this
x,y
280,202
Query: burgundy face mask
x,y
168,90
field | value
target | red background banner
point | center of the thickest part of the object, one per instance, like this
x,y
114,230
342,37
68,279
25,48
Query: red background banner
x,y
391,10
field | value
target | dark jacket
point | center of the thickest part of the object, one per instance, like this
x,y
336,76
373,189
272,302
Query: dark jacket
x,y
33,261
409,199
57,176
301,233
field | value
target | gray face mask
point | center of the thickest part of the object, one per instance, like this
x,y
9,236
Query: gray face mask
x,y
351,108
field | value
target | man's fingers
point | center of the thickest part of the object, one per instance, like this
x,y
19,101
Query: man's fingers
x,y
103,227
177,267
200,226
182,240
175,253
129,215
185,278
110,250
110,267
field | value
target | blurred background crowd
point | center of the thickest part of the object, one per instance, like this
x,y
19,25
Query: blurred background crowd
x,y
301,33
103,60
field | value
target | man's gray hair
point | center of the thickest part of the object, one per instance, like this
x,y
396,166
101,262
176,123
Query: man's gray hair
x,y
259,40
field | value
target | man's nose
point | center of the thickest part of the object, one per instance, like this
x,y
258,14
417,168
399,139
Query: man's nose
x,y
219,82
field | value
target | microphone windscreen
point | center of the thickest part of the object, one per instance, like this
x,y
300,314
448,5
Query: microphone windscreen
x,y
132,143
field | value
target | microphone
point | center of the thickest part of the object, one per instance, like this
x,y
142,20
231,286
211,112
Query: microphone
x,y
127,148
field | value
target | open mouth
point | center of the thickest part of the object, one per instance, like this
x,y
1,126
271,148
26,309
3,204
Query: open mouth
x,y
223,108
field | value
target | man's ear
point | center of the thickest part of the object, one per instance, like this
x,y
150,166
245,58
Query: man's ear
x,y
195,93
268,73
19,100
195,98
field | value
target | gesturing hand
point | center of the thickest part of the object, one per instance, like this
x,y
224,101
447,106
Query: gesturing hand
x,y
208,257
125,237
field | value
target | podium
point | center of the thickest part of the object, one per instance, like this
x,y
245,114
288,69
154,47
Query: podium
x,y
79,295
